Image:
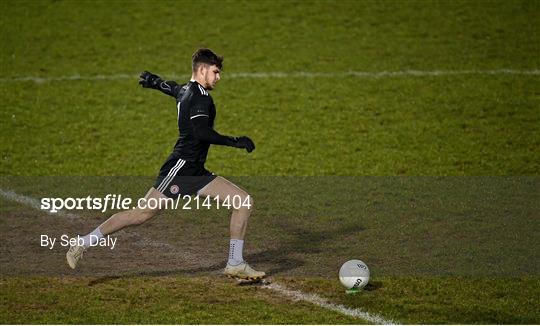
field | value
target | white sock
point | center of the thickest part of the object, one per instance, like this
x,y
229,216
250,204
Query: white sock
x,y
236,247
92,238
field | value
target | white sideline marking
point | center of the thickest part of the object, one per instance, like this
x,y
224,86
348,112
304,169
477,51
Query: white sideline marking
x,y
31,202
317,300
292,294
308,74
36,204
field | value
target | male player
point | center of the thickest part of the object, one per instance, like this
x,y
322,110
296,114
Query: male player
x,y
183,173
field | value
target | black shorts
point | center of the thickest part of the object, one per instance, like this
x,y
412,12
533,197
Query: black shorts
x,y
180,177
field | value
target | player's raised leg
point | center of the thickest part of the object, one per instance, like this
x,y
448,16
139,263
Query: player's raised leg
x,y
115,223
222,188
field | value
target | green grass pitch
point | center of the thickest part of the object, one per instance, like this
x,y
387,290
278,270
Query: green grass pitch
x,y
349,95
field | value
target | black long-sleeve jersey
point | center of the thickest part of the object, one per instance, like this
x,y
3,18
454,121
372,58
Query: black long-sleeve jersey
x,y
196,113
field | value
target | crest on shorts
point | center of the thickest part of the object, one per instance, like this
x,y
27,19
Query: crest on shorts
x,y
174,189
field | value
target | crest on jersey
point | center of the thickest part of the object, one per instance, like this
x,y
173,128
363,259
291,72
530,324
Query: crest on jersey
x,y
174,189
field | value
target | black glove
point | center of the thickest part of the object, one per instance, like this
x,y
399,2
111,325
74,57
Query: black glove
x,y
149,80
244,142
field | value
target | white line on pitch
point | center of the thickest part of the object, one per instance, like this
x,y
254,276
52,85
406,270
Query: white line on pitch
x,y
31,202
317,300
307,74
36,204
291,294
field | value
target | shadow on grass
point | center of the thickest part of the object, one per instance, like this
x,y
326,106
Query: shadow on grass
x,y
284,258
373,286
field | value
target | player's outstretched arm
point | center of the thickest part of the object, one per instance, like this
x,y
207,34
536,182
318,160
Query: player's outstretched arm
x,y
169,87
203,132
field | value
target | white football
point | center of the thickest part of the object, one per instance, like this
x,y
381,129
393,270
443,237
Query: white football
x,y
354,274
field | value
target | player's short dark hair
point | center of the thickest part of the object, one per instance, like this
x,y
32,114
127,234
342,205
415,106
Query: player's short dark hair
x,y
206,56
